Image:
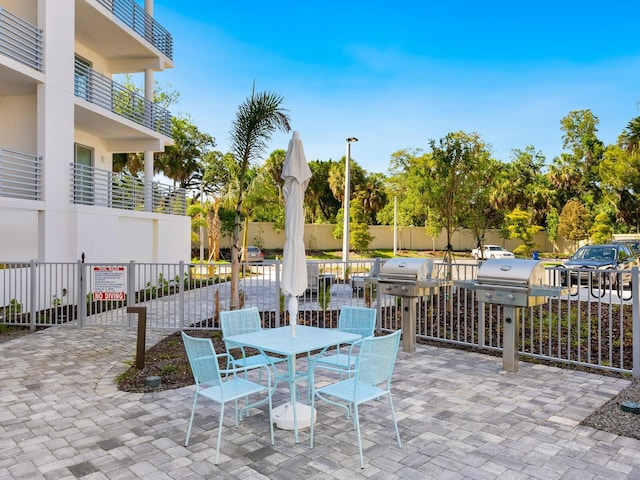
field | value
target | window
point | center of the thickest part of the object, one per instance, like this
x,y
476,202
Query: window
x,y
83,177
82,82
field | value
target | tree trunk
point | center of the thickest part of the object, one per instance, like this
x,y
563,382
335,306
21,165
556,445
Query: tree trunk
x,y
234,301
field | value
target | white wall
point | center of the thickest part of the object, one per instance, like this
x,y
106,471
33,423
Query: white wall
x,y
26,9
18,116
19,238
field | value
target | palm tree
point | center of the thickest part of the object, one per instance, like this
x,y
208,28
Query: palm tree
x,y
258,117
630,138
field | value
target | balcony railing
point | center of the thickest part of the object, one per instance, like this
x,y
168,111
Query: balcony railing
x,y
102,188
134,16
20,175
20,40
103,91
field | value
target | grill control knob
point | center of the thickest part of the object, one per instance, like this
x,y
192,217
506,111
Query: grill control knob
x,y
511,296
487,295
404,289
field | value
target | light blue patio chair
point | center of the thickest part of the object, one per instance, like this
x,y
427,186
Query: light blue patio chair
x,y
237,322
359,320
211,385
371,380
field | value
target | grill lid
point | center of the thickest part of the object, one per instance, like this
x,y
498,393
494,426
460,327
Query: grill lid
x,y
407,270
511,272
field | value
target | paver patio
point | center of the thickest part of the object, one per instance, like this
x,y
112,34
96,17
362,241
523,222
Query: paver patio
x,y
460,417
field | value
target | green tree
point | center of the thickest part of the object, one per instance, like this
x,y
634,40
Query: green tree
x,y
580,129
574,221
408,170
482,215
182,161
601,230
123,101
322,205
520,228
522,184
433,228
452,179
630,137
552,227
359,237
620,179
258,117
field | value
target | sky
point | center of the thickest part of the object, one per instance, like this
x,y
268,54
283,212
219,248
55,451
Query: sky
x,y
398,74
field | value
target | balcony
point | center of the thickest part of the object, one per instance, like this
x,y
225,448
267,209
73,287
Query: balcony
x,y
102,188
102,91
20,175
21,44
123,33
20,40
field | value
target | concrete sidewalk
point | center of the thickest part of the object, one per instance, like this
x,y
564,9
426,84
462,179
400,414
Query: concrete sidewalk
x,y
460,417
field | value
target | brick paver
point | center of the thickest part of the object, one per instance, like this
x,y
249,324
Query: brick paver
x,y
460,417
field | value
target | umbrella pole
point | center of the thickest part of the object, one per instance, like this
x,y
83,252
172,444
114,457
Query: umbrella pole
x,y
293,313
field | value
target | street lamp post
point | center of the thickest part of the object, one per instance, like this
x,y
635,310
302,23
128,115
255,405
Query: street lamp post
x,y
347,200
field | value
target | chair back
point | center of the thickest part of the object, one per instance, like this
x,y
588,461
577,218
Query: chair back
x,y
237,322
203,360
377,358
359,320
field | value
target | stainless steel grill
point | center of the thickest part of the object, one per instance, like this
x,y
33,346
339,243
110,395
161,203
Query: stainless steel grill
x,y
512,283
408,278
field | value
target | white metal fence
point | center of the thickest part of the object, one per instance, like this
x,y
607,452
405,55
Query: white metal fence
x,y
595,325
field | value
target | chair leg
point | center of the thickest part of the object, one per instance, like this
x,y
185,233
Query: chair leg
x,y
357,422
219,432
193,411
313,406
395,422
271,417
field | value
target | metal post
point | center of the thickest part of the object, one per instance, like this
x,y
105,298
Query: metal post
x,y
277,265
395,225
81,297
408,305
510,339
347,201
142,334
181,296
32,295
635,315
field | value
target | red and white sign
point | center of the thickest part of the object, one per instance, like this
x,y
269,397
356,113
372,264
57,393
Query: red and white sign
x,y
109,282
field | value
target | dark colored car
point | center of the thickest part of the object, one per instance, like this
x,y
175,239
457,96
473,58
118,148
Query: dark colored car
x,y
593,264
634,245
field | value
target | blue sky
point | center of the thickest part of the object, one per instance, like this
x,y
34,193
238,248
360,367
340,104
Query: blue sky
x,y
397,74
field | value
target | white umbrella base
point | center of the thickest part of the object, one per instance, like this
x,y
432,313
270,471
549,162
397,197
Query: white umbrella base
x,y
283,415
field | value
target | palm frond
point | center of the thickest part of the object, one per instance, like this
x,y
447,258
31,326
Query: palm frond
x,y
258,117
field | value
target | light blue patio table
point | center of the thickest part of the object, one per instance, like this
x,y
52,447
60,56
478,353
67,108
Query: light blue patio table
x,y
280,341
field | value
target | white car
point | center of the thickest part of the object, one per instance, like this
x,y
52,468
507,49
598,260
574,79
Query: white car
x,y
491,251
254,254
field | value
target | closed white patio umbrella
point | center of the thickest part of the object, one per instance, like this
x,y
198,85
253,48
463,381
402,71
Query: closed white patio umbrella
x,y
296,175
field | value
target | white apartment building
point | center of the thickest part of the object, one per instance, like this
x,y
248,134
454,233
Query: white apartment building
x,y
62,117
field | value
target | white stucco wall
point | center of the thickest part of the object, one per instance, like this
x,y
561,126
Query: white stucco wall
x,y
44,124
19,237
18,116
26,9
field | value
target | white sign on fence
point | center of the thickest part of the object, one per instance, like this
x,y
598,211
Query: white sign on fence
x,y
109,282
